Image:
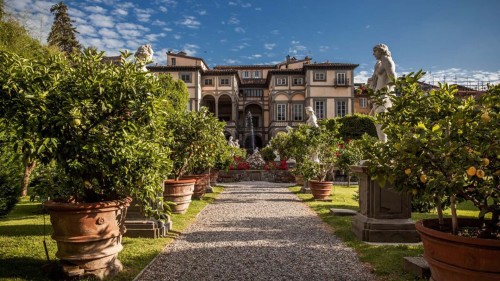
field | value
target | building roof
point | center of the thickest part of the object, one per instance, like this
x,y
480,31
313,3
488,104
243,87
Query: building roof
x,y
256,66
331,65
160,68
184,55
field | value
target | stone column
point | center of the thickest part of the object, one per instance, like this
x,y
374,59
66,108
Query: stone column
x,y
384,215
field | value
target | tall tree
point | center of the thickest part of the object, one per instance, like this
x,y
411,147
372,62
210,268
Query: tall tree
x,y
62,33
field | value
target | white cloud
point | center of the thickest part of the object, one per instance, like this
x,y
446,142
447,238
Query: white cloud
x,y
362,77
167,29
191,49
231,3
177,37
324,48
163,9
86,30
295,42
154,37
231,61
158,22
202,12
246,5
190,22
239,30
95,9
143,15
470,78
75,13
233,20
121,12
102,21
269,46
108,33
258,9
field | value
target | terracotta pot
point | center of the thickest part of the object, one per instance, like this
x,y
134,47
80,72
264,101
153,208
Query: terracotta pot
x,y
299,180
179,192
89,235
200,186
320,189
458,258
214,175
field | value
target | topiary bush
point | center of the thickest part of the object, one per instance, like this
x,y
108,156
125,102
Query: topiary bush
x,y
352,127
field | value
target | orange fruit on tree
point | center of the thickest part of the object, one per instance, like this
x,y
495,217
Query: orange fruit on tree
x,y
480,173
471,171
423,178
408,171
485,161
485,117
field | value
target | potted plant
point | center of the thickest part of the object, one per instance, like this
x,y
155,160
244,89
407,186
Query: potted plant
x,y
212,147
446,147
195,139
98,125
307,141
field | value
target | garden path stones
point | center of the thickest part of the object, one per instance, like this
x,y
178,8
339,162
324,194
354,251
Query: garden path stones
x,y
257,231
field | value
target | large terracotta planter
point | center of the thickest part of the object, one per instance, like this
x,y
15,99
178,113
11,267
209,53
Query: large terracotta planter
x,y
458,258
89,235
320,189
200,186
179,192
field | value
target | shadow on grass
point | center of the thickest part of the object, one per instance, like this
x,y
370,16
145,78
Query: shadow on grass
x,y
26,268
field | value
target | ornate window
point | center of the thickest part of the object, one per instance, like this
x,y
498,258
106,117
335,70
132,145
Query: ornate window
x,y
281,112
297,81
298,112
319,109
281,81
341,79
186,77
224,82
319,76
209,82
341,108
363,102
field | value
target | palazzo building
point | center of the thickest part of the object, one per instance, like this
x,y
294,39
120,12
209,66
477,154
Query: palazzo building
x,y
275,95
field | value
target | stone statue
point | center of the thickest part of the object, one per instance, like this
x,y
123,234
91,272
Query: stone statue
x,y
312,120
383,73
236,143
144,55
230,141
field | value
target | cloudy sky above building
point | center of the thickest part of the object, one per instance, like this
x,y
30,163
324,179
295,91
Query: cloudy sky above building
x,y
452,40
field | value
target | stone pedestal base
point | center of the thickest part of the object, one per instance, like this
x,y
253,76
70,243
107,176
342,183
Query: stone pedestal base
x,y
385,214
384,230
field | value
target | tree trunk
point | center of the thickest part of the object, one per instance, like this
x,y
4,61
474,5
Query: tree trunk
x,y
454,218
28,169
437,201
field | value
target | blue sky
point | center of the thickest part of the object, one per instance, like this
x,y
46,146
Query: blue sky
x,y
456,40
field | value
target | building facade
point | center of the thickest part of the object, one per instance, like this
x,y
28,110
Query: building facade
x,y
271,96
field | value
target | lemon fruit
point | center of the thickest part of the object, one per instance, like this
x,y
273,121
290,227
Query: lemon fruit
x,y
471,171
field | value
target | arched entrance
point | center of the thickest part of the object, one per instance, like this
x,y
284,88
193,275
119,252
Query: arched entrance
x,y
256,111
209,102
225,106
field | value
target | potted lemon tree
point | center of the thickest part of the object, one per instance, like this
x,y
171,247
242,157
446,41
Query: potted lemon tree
x,y
195,138
442,146
98,126
315,149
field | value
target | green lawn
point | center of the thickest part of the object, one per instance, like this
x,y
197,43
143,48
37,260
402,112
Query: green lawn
x,y
22,254
385,261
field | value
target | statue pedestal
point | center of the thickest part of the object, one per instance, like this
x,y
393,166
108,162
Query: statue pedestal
x,y
138,225
385,214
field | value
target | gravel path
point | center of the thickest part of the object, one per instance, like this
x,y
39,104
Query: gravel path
x,y
257,231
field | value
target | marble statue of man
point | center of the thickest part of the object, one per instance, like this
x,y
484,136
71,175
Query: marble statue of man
x,y
312,121
230,141
144,55
383,73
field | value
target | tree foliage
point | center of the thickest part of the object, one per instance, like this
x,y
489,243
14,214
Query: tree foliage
x,y
101,125
62,34
441,145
